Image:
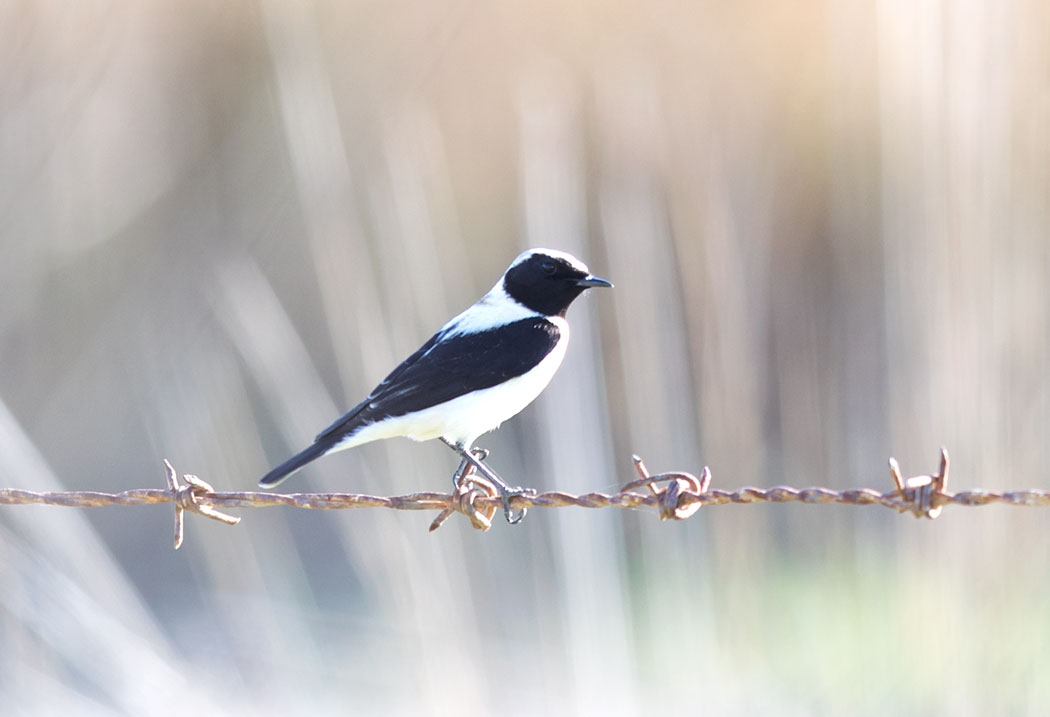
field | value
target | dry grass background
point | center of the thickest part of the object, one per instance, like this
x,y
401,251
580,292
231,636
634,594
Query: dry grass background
x,y
827,224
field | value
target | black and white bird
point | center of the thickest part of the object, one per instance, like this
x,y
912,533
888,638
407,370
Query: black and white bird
x,y
478,370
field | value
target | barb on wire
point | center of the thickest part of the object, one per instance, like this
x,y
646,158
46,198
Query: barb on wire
x,y
186,498
469,486
675,495
919,491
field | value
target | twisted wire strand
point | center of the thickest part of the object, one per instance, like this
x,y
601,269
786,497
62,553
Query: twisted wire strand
x,y
549,499
676,496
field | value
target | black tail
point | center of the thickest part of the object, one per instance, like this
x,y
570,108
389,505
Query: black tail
x,y
293,464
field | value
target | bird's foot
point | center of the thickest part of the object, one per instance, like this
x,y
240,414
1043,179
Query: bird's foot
x,y
473,461
506,493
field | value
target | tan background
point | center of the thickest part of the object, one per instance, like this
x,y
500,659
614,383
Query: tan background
x,y
222,223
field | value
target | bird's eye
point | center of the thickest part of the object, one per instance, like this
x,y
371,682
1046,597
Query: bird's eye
x,y
548,267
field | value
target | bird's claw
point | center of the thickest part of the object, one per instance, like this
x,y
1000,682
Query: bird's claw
x,y
507,493
473,463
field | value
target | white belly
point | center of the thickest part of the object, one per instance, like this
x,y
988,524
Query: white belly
x,y
463,419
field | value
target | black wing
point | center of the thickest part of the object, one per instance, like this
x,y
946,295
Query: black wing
x,y
445,368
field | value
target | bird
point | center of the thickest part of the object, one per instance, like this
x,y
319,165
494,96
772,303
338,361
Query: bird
x,y
481,368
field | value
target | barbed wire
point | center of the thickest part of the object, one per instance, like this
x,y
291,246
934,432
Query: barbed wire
x,y
675,495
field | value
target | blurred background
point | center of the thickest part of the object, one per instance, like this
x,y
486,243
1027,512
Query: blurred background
x,y
223,223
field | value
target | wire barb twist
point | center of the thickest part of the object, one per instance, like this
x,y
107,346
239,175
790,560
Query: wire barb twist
x,y
925,495
673,503
674,495
187,497
469,486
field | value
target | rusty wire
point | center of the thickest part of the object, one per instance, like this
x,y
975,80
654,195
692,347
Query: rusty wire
x,y
674,495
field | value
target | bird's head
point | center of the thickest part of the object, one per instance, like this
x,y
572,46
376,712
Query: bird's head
x,y
547,281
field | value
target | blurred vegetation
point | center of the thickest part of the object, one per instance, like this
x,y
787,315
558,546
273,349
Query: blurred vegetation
x,y
222,223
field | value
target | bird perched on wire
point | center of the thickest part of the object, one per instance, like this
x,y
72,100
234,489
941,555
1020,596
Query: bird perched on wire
x,y
478,370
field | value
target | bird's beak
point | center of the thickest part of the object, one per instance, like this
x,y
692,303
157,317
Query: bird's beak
x,y
589,281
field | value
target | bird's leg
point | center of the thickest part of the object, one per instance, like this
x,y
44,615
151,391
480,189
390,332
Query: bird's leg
x,y
475,457
466,468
